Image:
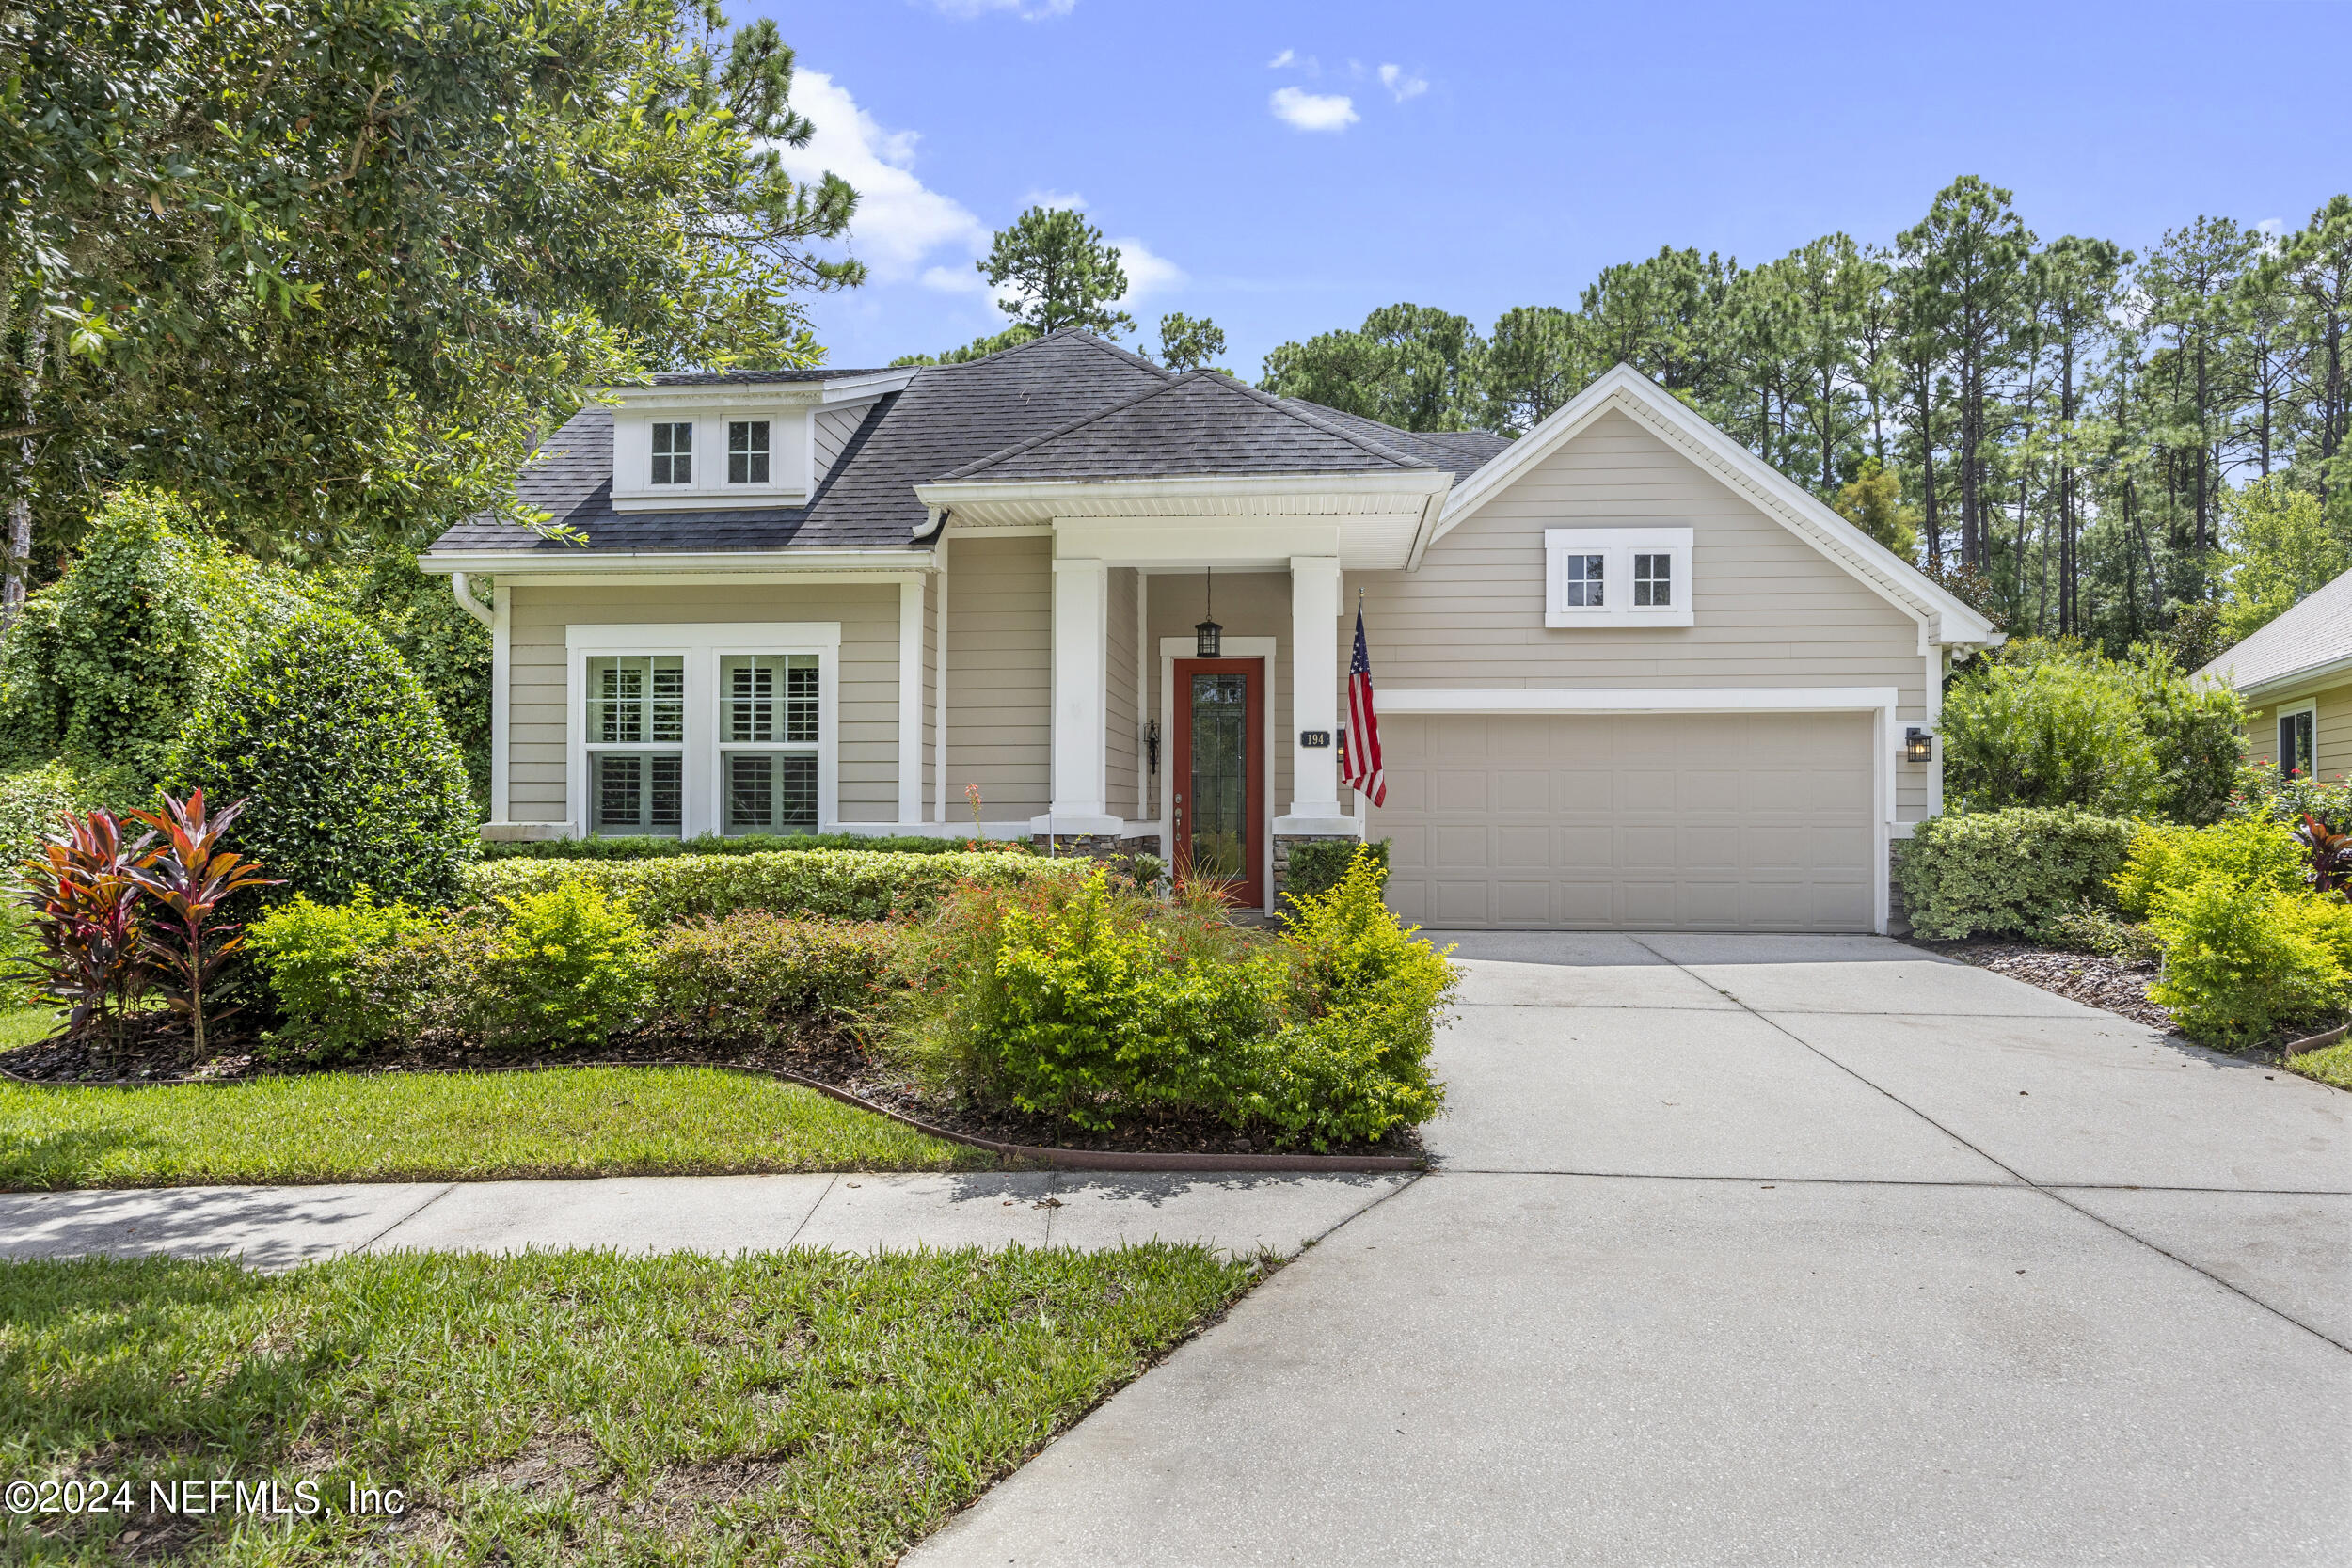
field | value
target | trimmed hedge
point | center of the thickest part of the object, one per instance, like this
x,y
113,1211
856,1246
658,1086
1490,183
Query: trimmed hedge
x,y
2009,872
1318,866
626,848
832,884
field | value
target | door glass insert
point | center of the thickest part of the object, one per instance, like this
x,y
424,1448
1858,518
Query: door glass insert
x,y
1218,828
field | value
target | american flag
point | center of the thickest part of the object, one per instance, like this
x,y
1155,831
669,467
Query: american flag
x,y
1360,766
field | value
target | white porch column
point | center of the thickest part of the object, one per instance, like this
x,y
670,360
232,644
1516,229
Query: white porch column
x,y
1314,698
910,701
1080,760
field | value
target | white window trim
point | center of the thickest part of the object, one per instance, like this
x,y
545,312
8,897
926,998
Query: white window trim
x,y
2288,710
1617,547
791,459
701,646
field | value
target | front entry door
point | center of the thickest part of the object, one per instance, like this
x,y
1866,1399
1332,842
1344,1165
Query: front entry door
x,y
1218,805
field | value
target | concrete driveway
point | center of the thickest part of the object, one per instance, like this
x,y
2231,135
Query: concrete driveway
x,y
1769,1251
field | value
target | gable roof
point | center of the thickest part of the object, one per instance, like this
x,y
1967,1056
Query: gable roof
x,y
2311,640
1946,618
1200,422
1461,451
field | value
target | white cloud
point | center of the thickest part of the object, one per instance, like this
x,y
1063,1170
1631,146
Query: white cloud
x,y
1313,111
1056,201
1027,10
1401,85
1285,58
900,222
1147,272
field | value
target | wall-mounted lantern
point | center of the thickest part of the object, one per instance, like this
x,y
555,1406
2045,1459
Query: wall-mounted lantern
x,y
1152,746
1208,638
1918,745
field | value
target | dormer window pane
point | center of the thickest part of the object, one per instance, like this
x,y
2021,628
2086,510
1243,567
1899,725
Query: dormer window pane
x,y
673,453
1585,582
747,452
1653,581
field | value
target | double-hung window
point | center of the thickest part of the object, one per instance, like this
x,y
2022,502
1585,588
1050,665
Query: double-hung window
x,y
674,452
1617,577
2297,754
636,732
747,452
770,712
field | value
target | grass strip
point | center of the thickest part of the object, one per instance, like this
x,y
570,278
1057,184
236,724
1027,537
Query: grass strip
x,y
23,1025
790,1408
446,1127
2329,1064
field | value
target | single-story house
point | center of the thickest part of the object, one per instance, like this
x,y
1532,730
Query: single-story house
x,y
2295,676
1626,674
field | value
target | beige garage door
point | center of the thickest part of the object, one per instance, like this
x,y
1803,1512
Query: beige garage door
x,y
1755,822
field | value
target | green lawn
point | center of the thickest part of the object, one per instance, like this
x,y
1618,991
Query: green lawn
x,y
350,1127
2330,1063
570,1407
23,1025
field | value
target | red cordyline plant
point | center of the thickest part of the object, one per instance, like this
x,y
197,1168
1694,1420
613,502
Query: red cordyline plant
x,y
84,893
186,881
2331,855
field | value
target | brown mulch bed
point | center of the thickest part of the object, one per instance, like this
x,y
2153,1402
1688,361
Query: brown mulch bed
x,y
160,1052
2084,978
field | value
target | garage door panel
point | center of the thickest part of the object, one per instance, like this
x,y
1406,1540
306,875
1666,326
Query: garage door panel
x,y
1741,821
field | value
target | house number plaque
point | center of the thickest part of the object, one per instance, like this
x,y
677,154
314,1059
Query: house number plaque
x,y
1314,739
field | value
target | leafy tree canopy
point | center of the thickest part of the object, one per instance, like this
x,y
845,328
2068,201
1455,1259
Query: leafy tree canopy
x,y
328,264
1189,343
2281,547
1408,365
978,348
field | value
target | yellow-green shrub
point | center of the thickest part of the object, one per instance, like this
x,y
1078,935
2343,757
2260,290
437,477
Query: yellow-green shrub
x,y
571,966
2241,961
2254,852
324,964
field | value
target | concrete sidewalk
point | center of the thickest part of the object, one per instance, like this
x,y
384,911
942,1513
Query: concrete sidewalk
x,y
277,1228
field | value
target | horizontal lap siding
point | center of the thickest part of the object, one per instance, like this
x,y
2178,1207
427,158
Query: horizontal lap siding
x,y
1770,609
1000,604
2332,729
868,676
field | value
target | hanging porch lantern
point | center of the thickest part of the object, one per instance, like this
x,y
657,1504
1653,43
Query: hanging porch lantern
x,y
1208,638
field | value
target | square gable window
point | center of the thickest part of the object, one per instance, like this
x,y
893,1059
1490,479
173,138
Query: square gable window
x,y
747,452
673,453
1617,578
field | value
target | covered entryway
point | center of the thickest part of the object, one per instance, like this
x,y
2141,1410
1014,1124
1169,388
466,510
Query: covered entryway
x,y
1645,821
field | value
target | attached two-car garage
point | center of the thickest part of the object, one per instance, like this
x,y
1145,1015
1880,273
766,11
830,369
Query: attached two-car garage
x,y
1751,821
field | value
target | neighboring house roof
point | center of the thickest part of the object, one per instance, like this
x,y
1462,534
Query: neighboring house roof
x,y
1947,618
2308,642
1067,406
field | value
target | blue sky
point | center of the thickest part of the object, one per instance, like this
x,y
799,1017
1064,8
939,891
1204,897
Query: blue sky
x,y
1284,167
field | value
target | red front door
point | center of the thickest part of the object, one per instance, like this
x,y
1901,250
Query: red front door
x,y
1218,785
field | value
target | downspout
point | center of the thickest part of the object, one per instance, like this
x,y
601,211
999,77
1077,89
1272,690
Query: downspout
x,y
471,606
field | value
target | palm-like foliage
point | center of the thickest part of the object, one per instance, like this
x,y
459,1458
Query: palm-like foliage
x,y
2331,855
83,889
188,879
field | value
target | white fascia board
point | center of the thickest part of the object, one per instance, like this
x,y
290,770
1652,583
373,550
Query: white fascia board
x,y
1047,495
740,564
2310,678
1702,699
866,388
1624,387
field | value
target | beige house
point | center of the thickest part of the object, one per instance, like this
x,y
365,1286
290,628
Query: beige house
x,y
1628,674
2296,677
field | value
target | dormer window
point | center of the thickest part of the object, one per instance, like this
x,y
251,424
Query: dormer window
x,y
673,453
1617,577
747,452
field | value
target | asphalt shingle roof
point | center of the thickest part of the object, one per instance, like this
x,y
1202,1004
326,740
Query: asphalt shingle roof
x,y
1067,406
2317,632
1200,422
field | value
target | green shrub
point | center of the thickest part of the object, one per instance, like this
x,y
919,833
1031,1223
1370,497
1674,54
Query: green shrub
x,y
350,771
836,884
1369,998
2089,928
108,661
2241,959
2262,790
2052,723
625,847
2246,851
434,636
326,964
1318,866
570,967
765,977
2016,870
